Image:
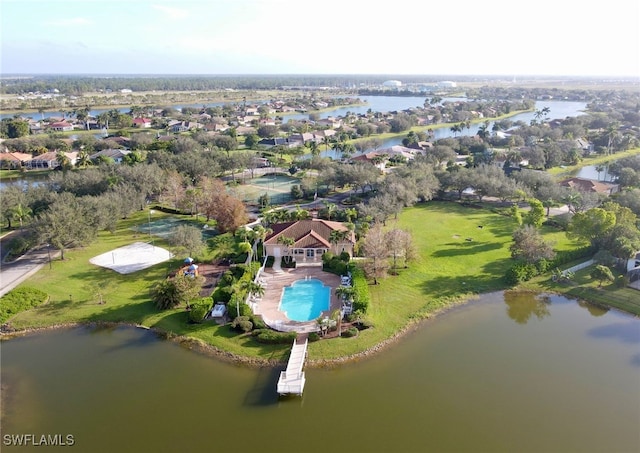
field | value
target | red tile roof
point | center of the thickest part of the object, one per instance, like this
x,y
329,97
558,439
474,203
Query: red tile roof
x,y
313,233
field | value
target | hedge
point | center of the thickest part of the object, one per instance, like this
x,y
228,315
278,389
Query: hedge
x,y
362,297
272,337
20,299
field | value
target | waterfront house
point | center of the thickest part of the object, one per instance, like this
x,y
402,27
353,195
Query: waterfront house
x,y
14,160
589,185
312,238
142,122
50,160
61,126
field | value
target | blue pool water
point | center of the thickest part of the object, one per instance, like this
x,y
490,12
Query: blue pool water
x,y
305,300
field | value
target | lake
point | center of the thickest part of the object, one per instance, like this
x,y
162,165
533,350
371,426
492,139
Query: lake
x,y
504,373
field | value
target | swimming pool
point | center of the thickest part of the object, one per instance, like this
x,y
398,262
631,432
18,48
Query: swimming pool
x,y
305,300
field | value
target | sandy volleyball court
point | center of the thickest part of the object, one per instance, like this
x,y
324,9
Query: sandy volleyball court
x,y
132,258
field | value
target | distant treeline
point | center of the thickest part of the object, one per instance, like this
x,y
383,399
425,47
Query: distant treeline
x,y
76,85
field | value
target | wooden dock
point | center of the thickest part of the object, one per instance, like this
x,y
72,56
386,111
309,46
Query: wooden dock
x,y
292,380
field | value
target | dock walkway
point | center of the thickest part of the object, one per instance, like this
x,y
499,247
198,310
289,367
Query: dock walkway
x,y
292,380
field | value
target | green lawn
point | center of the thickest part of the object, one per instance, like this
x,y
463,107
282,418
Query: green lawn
x,y
450,269
72,285
584,287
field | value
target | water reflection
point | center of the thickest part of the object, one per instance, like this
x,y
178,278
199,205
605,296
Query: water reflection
x,y
595,310
522,306
469,380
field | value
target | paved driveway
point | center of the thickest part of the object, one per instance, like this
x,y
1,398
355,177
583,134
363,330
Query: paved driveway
x,y
14,273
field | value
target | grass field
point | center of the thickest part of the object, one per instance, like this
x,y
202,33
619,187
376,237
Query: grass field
x,y
450,269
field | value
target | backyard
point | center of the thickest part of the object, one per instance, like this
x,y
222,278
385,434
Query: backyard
x,y
462,251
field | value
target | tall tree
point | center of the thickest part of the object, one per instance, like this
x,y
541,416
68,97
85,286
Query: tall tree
x,y
187,238
64,225
529,245
376,252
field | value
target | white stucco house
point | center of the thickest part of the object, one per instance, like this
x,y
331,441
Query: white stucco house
x,y
311,238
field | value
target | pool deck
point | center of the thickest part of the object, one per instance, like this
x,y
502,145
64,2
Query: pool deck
x,y
276,280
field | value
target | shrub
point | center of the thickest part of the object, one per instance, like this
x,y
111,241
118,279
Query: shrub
x,y
227,279
198,311
542,266
222,294
269,336
335,265
239,270
245,310
350,332
313,336
19,246
242,323
270,260
20,299
258,322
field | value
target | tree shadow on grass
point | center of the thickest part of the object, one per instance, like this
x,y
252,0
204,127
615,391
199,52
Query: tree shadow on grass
x,y
131,313
465,248
457,285
53,306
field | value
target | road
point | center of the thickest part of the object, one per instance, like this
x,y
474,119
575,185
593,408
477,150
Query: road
x,y
14,273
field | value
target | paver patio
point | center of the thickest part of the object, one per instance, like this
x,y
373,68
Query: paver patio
x,y
276,281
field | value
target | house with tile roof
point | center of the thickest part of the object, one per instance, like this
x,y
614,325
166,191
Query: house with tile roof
x,y
50,160
590,185
14,160
60,126
142,122
312,238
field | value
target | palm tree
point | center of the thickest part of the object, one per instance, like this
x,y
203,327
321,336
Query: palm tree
x,y
346,292
348,149
63,160
483,132
287,242
312,145
331,208
326,141
83,159
599,168
21,213
613,136
455,129
337,236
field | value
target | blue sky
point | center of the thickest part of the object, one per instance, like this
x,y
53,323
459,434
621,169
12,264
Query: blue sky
x,y
502,37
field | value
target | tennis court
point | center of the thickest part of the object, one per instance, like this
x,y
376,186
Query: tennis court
x,y
277,186
165,226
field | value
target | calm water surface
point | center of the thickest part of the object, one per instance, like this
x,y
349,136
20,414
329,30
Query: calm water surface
x,y
504,373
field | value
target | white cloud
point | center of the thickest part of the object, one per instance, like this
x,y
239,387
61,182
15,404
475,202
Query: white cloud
x,y
171,12
70,22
